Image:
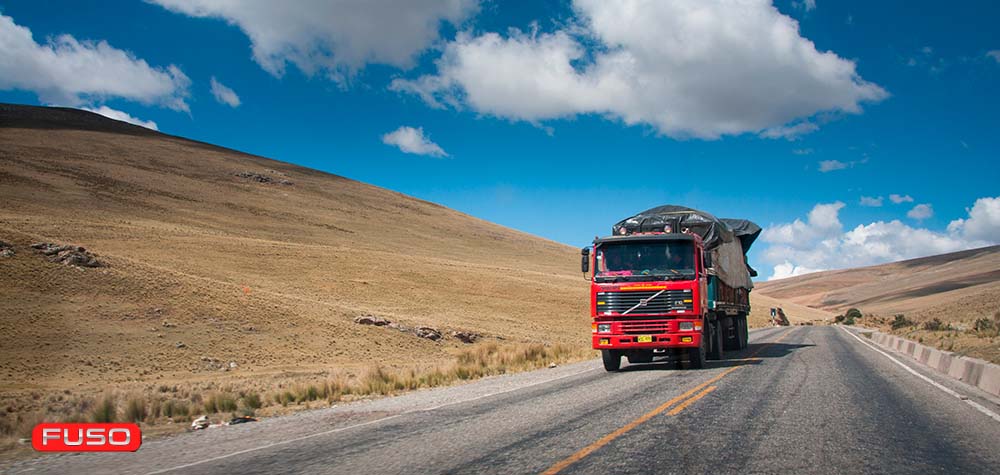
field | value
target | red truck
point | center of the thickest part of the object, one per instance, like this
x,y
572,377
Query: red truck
x,y
670,281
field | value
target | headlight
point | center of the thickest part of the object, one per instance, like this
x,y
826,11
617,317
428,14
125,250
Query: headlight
x,y
603,328
686,326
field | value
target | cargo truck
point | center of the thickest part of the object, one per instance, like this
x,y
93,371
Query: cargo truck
x,y
670,281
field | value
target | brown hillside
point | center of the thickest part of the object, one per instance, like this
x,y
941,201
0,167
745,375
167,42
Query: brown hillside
x,y
904,286
267,275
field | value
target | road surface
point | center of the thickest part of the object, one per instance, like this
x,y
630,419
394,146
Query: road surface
x,y
798,400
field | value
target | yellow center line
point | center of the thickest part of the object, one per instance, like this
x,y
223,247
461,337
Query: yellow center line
x,y
681,406
579,455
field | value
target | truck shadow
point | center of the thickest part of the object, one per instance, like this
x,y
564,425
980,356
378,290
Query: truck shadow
x,y
754,354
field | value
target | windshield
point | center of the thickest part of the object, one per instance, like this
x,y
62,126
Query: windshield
x,y
645,260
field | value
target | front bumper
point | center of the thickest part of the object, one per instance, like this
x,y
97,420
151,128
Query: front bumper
x,y
610,341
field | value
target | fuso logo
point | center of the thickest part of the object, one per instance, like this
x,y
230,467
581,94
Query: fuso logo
x,y
52,437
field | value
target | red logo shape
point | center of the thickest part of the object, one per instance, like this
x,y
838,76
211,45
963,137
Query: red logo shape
x,y
76,437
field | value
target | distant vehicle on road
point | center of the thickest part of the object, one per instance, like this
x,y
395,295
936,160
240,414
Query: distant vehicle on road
x,y
670,281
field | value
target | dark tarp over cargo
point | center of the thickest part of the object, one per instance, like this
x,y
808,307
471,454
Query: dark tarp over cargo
x,y
726,239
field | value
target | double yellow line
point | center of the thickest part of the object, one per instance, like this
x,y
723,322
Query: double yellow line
x,y
682,402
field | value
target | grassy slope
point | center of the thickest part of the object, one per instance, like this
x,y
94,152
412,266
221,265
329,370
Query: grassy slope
x,y
269,276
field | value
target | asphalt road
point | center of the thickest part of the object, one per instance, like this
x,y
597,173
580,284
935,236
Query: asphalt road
x,y
798,400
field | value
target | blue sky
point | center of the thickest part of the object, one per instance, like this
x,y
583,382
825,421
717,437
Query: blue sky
x,y
554,146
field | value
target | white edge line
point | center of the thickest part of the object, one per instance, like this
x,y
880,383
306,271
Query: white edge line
x,y
340,429
965,399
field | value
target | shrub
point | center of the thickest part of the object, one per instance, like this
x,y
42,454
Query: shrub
x,y
901,321
935,325
983,325
308,393
377,381
135,410
252,400
173,408
105,411
220,402
852,314
838,319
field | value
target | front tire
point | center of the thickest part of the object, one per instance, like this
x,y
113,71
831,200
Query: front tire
x,y
696,356
612,360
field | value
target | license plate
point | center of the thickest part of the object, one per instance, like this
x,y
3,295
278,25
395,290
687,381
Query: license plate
x,y
645,339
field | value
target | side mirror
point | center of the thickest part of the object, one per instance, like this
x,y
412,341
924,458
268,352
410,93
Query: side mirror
x,y
585,260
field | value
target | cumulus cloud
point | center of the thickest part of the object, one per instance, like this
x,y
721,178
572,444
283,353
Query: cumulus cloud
x,y
897,199
68,71
921,212
820,242
224,94
983,223
122,116
336,37
688,68
412,140
871,201
787,269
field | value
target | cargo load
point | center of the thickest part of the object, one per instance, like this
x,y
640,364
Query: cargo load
x,y
726,240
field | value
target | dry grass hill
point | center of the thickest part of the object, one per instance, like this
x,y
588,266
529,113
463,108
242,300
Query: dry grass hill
x,y
215,256
956,289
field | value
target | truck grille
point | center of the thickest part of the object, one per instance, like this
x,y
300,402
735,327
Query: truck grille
x,y
669,301
638,327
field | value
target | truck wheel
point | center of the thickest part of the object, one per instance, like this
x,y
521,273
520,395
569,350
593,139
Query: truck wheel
x,y
696,356
729,338
742,332
714,337
612,360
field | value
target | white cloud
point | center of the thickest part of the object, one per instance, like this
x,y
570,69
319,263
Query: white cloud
x,y
413,140
790,132
995,54
224,94
820,243
65,70
122,116
831,165
807,5
803,151
983,223
897,199
787,269
688,68
871,201
822,223
921,212
336,38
